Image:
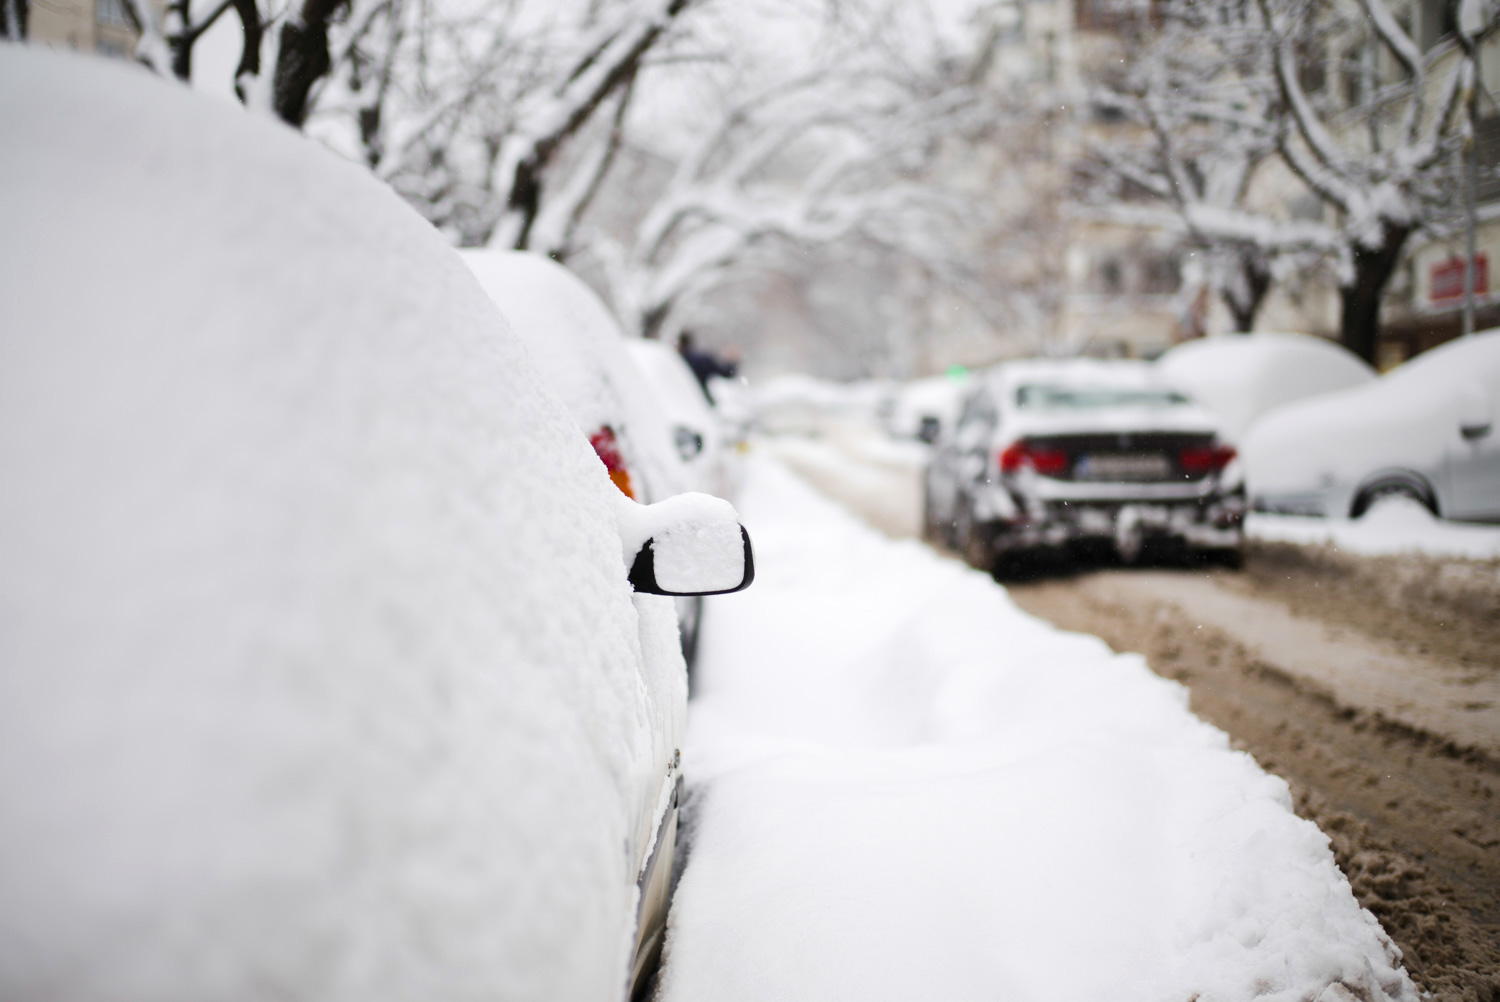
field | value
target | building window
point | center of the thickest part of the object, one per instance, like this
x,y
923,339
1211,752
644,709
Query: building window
x,y
1435,22
1160,274
112,14
1111,277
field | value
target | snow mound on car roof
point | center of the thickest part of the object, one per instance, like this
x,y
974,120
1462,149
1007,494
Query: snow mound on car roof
x,y
316,664
1240,377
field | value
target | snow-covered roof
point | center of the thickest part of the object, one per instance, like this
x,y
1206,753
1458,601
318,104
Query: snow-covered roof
x,y
578,345
1241,377
306,576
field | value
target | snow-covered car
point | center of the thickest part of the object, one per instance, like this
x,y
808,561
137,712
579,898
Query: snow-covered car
x,y
1050,453
321,672
1424,431
923,408
579,347
697,437
1241,377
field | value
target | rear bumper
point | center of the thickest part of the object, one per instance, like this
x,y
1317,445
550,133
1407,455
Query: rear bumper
x,y
1215,521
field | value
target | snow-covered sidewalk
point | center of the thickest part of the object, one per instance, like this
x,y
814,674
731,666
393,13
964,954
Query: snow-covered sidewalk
x,y
905,788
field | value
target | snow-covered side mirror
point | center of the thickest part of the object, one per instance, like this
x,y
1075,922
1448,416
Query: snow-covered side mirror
x,y
1474,414
691,544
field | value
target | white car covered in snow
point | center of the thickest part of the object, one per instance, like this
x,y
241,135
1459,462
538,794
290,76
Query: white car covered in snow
x,y
1425,431
697,437
1047,454
321,670
580,349
1242,377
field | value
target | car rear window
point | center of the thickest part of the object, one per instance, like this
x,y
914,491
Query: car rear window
x,y
1082,398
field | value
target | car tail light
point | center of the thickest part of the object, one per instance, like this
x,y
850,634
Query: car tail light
x,y
1205,458
1047,462
607,448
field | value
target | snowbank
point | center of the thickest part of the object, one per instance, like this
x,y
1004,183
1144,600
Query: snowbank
x,y
903,787
1394,526
318,674
803,405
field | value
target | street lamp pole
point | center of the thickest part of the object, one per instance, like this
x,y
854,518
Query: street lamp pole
x,y
1470,183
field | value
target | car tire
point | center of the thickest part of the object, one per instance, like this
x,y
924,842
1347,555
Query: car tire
x,y
931,530
1229,557
974,540
1394,486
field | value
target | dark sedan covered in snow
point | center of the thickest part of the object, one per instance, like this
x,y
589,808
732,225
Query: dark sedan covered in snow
x,y
1047,454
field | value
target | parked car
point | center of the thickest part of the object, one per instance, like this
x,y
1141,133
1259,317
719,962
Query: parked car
x,y
1051,453
332,665
1242,377
1424,431
922,408
697,437
580,349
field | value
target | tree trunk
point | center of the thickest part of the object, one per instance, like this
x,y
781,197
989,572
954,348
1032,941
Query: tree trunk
x,y
1244,301
526,193
180,43
252,29
13,24
302,59
1359,325
654,319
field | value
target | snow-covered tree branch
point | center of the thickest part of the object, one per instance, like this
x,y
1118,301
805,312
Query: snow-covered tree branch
x,y
843,151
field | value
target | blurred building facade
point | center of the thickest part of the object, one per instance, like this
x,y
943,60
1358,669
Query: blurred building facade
x,y
1132,287
99,26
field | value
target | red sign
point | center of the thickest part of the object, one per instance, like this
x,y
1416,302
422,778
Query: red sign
x,y
1448,278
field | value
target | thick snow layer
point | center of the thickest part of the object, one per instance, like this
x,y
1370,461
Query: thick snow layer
x,y
578,346
1408,419
1392,526
800,404
903,787
681,400
697,546
319,674
1240,377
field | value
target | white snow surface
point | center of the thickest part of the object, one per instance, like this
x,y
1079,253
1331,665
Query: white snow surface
x,y
578,346
1397,525
1240,377
319,674
697,543
903,787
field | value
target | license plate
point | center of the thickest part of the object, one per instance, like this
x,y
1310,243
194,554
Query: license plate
x,y
1123,466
